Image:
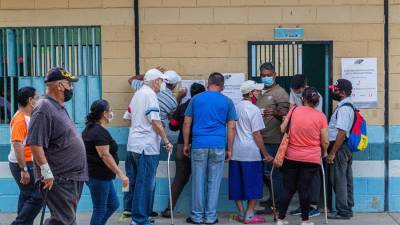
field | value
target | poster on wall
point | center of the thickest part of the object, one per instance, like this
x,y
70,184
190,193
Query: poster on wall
x,y
362,72
232,86
186,84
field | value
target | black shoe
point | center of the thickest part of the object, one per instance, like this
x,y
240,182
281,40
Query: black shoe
x,y
211,223
336,216
265,211
151,220
189,220
166,213
154,214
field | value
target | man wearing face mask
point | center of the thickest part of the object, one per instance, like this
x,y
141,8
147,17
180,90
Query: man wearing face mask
x,y
20,158
145,135
58,150
275,104
340,157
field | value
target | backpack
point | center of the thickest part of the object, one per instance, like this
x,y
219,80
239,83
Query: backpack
x,y
358,138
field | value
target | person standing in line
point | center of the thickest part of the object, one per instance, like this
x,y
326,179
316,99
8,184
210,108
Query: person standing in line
x,y
20,159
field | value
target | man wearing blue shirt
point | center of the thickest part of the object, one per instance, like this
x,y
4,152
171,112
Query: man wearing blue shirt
x,y
211,113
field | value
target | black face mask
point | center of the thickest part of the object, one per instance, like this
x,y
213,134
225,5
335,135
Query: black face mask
x,y
67,95
336,97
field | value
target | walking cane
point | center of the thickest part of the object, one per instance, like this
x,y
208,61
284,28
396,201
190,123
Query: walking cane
x,y
44,206
169,187
324,187
273,193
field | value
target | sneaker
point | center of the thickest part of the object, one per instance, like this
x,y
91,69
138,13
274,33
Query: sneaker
x,y
211,223
254,219
307,223
127,213
335,216
282,222
189,220
153,214
296,212
166,213
313,212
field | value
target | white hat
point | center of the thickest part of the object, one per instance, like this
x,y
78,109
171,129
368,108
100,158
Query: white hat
x,y
153,74
249,86
172,77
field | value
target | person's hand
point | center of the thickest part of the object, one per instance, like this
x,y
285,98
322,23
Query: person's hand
x,y
268,158
25,178
124,180
228,155
186,151
276,164
169,147
161,68
182,92
48,183
330,159
269,112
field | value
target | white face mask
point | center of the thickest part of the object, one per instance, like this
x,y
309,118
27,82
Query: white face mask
x,y
163,86
110,117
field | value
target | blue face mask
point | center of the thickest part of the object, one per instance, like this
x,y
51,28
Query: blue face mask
x,y
268,81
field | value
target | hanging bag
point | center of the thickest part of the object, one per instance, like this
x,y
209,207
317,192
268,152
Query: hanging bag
x,y
280,154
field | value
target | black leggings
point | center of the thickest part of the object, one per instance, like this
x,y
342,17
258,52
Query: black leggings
x,y
297,176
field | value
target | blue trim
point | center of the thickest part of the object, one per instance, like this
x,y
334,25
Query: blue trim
x,y
147,112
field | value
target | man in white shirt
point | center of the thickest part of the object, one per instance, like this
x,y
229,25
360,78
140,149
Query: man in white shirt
x,y
246,165
145,134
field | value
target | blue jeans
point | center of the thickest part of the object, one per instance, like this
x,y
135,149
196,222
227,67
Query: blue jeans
x,y
30,200
128,195
276,177
104,199
142,181
207,172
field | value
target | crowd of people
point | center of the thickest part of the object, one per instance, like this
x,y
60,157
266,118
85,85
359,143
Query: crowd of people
x,y
51,161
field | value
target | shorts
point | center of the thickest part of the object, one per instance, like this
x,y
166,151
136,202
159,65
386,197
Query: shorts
x,y
245,180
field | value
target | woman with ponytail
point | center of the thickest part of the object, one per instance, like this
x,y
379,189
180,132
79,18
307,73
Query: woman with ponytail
x,y
102,157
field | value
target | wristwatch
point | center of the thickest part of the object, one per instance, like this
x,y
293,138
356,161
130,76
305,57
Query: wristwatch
x,y
25,169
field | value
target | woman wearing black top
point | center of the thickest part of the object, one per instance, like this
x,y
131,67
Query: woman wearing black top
x,y
102,158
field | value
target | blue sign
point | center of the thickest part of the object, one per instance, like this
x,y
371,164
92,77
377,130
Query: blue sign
x,y
288,33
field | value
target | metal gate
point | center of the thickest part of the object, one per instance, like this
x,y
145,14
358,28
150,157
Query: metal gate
x,y
27,53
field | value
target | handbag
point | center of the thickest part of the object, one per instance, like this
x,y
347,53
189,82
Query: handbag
x,y
280,154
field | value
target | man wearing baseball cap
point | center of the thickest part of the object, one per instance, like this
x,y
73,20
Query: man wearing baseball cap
x,y
340,156
246,165
58,150
145,135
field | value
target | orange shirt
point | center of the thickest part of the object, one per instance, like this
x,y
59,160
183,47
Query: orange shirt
x,y
19,132
305,134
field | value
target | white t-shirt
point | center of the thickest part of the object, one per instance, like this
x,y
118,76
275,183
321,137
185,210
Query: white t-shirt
x,y
249,121
342,118
144,108
295,99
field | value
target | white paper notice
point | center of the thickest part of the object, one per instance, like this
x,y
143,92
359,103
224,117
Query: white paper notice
x,y
233,81
186,84
362,72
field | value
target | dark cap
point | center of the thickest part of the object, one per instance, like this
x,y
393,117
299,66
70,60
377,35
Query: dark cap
x,y
59,73
343,85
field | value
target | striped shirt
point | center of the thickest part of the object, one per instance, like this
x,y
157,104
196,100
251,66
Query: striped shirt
x,y
166,101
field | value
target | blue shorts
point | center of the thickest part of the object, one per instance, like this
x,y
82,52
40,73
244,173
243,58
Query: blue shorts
x,y
245,180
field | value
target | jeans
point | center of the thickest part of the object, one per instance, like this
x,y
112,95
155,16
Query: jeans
x,y
104,199
182,175
207,172
30,200
128,195
142,182
341,177
297,176
276,177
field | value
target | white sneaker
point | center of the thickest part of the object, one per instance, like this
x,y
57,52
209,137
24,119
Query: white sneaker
x,y
282,222
307,223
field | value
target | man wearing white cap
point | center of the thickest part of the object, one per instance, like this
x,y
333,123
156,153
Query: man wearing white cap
x,y
145,135
246,165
